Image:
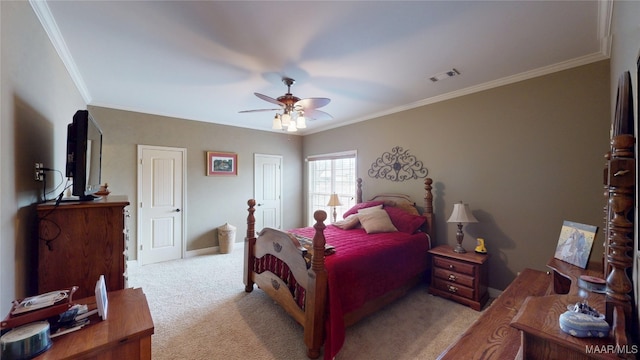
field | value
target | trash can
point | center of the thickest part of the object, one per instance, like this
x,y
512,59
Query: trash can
x,y
226,237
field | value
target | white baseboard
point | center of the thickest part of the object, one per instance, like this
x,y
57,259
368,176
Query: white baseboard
x,y
189,254
205,251
494,293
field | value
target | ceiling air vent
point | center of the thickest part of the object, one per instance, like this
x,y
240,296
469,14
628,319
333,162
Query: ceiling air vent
x,y
444,75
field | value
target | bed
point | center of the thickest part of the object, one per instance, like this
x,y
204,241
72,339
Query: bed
x,y
328,277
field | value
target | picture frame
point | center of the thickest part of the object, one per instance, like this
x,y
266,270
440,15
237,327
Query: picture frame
x,y
222,163
102,300
575,243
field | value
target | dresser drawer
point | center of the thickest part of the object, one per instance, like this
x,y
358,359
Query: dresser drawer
x,y
454,265
454,278
453,289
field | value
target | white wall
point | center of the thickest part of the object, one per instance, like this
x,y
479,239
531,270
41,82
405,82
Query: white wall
x,y
37,100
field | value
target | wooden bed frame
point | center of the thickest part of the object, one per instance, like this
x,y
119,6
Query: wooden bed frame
x,y
314,280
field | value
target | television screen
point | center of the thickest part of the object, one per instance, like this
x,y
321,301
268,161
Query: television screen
x,y
84,155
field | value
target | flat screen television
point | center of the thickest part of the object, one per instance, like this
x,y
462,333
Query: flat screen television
x,y
84,156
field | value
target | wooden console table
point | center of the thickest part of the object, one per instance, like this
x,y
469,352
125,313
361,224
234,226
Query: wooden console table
x,y
125,334
538,319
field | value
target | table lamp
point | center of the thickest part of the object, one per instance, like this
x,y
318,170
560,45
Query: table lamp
x,y
334,201
461,214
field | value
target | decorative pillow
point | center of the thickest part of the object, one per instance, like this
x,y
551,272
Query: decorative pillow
x,y
404,221
359,206
376,221
351,222
372,208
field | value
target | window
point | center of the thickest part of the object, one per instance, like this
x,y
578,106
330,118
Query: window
x,y
328,174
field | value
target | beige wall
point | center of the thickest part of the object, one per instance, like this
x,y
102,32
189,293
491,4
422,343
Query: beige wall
x,y
38,100
524,156
625,52
210,201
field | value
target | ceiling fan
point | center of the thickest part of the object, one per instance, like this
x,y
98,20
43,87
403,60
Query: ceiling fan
x,y
295,111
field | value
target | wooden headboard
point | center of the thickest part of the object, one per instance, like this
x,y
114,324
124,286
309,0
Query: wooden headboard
x,y
400,200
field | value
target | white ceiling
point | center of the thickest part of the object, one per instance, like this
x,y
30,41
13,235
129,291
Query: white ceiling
x,y
203,60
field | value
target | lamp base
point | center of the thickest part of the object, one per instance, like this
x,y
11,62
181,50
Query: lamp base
x,y
459,237
459,249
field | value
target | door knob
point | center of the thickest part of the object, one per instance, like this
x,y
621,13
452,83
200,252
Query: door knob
x,y
177,210
259,204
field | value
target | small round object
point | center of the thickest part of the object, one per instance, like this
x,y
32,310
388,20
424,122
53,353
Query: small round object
x,y
26,341
592,283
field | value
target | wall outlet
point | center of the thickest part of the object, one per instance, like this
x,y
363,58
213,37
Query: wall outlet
x,y
39,172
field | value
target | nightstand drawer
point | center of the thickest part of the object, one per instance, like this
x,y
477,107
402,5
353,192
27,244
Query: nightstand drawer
x,y
454,289
453,265
454,278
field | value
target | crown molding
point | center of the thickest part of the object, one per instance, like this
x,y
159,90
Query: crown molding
x,y
605,16
50,26
584,60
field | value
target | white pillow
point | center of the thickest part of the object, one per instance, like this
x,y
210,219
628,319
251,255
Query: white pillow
x,y
375,221
351,222
371,208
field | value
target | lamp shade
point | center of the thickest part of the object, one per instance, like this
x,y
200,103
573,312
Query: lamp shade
x,y
301,122
277,124
461,214
334,200
285,118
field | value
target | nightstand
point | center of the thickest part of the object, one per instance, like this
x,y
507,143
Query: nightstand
x,y
459,277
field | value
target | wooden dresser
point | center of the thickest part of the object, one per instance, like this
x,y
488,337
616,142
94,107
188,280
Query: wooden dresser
x,y
459,277
538,320
78,242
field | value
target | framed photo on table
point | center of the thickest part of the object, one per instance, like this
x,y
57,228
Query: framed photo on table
x,y
222,163
575,243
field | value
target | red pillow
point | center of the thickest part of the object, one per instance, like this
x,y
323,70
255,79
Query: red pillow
x,y
403,221
361,205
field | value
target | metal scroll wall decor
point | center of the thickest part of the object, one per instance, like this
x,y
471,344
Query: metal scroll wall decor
x,y
397,165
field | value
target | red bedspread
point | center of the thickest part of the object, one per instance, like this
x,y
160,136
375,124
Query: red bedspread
x,y
364,267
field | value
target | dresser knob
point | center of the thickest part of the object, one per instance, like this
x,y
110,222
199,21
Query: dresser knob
x,y
452,289
451,267
452,277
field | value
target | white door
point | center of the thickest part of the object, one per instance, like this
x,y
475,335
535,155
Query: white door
x,y
268,191
161,210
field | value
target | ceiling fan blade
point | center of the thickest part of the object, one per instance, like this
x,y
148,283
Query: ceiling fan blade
x,y
258,110
312,114
269,99
311,103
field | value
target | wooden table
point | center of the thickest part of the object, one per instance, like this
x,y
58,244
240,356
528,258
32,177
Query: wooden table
x,y
538,319
125,334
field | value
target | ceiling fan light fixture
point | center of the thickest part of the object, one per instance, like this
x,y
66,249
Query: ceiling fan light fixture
x,y
293,109
277,124
301,122
286,119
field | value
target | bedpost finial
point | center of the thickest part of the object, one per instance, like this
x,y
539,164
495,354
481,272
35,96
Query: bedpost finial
x,y
251,202
320,215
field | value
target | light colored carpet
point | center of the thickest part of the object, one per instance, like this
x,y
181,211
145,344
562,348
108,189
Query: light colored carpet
x,y
200,311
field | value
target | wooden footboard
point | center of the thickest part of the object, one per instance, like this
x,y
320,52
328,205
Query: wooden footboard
x,y
273,243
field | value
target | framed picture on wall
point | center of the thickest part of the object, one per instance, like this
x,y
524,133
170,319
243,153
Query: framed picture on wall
x,y
222,163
